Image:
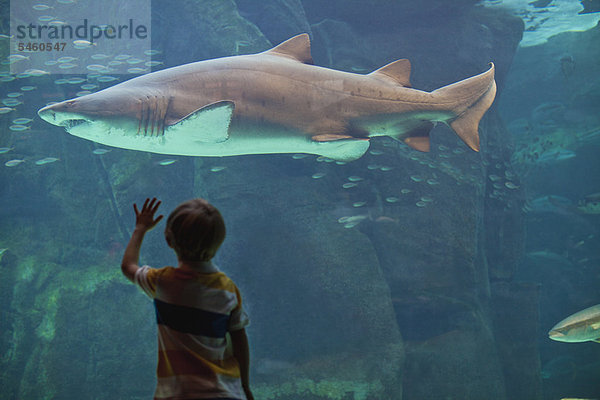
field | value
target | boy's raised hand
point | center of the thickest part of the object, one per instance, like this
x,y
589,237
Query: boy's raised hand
x,y
145,219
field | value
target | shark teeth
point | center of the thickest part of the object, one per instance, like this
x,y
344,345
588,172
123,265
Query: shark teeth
x,y
70,123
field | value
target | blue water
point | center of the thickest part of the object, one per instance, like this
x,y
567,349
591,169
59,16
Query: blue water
x,y
398,275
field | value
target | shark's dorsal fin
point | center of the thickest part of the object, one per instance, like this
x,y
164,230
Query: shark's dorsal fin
x,y
297,48
397,71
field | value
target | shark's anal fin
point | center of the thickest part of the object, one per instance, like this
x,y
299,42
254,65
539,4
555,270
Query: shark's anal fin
x,y
209,124
297,48
398,72
418,138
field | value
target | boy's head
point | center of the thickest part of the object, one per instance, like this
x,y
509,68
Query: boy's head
x,y
195,230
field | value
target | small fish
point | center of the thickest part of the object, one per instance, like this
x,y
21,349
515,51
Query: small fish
x,y
4,150
28,88
426,199
122,57
13,163
66,1
83,44
416,178
67,65
133,61
375,152
89,86
432,181
349,185
217,169
421,203
511,185
6,110
45,18
551,156
152,63
299,156
61,81
17,57
36,72
494,178
46,160
352,220
318,175
18,128
99,56
137,70
392,199
100,151
151,52
405,191
359,204
385,169
82,93
97,67
76,80
355,178
7,78
107,78
114,63
22,121
14,94
166,162
66,59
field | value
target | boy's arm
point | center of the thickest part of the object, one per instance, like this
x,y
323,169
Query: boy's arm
x,y
144,221
241,352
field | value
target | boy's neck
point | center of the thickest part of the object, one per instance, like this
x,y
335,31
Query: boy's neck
x,y
204,267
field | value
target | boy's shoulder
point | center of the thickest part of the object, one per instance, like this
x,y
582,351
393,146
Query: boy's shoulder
x,y
215,279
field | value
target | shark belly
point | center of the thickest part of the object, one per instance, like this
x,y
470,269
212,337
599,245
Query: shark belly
x,y
244,138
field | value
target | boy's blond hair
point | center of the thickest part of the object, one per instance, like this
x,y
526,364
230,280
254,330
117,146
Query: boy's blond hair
x,y
195,230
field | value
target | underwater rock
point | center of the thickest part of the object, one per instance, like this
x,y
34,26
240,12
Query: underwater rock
x,y
320,305
215,26
278,20
515,310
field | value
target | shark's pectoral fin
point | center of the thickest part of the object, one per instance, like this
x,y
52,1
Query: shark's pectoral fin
x,y
209,124
343,149
397,72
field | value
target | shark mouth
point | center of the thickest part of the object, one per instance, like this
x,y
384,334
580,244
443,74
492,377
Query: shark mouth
x,y
71,123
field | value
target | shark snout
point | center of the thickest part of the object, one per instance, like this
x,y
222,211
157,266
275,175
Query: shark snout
x,y
58,114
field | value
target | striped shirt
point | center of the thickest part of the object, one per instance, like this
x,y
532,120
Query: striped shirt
x,y
194,312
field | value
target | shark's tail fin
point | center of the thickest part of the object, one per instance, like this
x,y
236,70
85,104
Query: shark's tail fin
x,y
470,99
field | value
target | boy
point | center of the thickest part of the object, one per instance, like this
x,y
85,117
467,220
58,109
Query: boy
x,y
196,306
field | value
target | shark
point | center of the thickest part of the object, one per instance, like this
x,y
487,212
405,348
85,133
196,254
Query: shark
x,y
582,326
276,101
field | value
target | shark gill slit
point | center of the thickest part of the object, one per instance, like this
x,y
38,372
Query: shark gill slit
x,y
153,111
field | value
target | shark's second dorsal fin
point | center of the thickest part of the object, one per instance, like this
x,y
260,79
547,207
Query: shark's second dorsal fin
x,y
398,71
297,48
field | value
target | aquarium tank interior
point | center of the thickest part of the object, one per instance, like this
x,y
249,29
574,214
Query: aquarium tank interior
x,y
421,229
